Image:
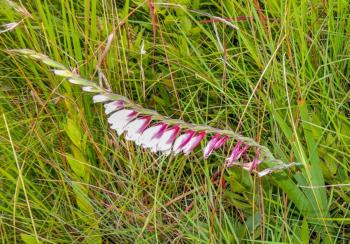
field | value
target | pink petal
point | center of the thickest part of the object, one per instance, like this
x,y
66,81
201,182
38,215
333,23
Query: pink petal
x,y
254,164
135,128
167,139
237,152
256,160
182,140
113,106
221,142
195,140
211,145
247,166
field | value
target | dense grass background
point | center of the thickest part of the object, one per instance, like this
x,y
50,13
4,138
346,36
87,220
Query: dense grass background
x,y
282,78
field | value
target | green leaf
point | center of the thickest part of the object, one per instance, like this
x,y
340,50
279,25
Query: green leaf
x,y
29,239
253,222
315,162
74,132
78,166
303,203
305,235
82,198
185,23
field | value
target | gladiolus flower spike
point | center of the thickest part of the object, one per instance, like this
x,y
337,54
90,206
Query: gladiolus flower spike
x,y
159,133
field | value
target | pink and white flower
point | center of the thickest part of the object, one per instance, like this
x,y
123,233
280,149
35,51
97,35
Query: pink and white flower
x,y
158,137
254,164
121,118
193,143
113,106
9,26
135,129
151,136
221,142
237,152
211,145
167,139
181,141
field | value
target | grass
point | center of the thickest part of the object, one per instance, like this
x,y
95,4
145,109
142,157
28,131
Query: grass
x,y
281,78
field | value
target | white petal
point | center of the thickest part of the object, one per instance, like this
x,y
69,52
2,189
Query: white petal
x,y
119,115
167,152
138,141
120,126
135,136
100,98
154,148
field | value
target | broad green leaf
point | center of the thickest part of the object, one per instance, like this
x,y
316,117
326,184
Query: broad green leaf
x,y
74,132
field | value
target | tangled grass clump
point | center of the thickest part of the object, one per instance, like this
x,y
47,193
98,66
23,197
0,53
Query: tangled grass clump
x,y
200,105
